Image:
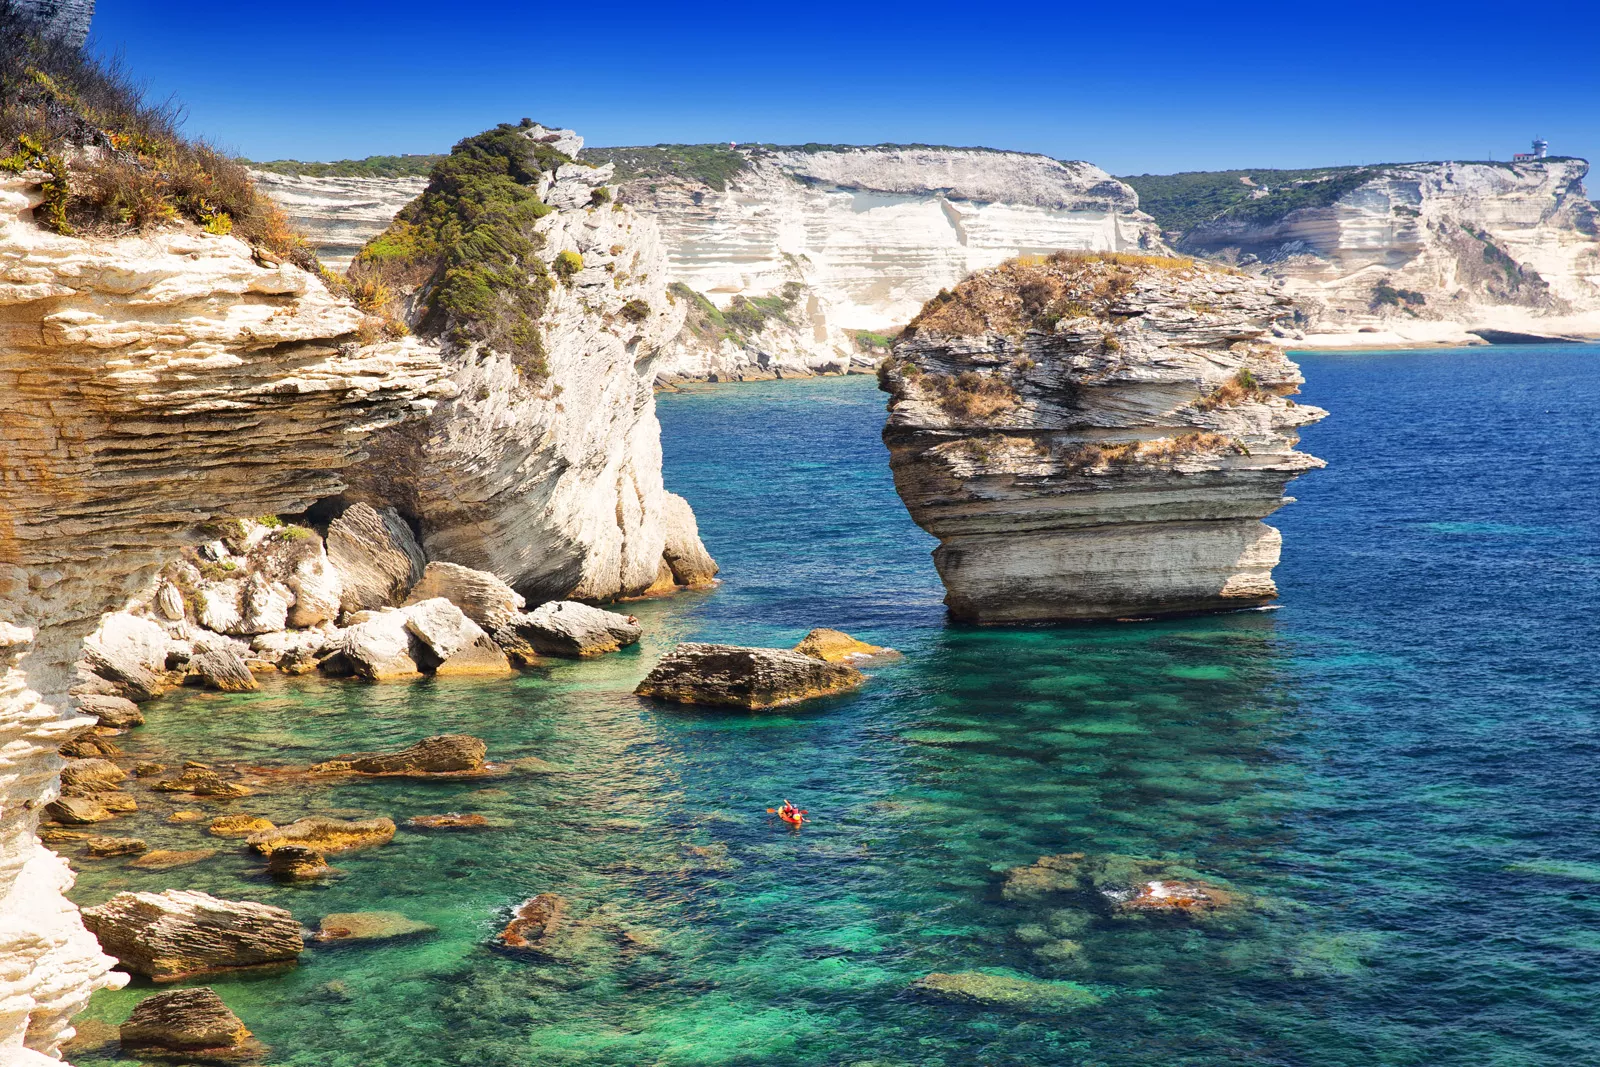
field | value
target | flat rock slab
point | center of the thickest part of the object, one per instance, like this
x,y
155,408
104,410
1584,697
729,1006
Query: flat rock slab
x,y
182,933
836,646
369,926
1006,993
739,677
325,835
440,754
165,859
117,713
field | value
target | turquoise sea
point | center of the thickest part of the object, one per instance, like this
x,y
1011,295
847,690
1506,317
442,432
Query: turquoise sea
x,y
1397,770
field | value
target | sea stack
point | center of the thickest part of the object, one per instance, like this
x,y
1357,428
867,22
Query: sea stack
x,y
1095,436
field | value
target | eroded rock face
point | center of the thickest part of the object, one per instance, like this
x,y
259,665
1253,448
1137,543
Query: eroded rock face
x,y
150,382
1091,438
376,555
182,933
481,596
190,1025
324,835
733,676
836,646
442,754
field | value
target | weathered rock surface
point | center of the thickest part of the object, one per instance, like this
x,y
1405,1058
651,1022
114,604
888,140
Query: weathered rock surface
x,y
100,845
325,835
297,863
376,555
451,820
534,925
836,646
86,777
150,383
567,628
685,554
379,647
201,781
1006,993
1117,885
224,670
78,811
117,713
182,933
1091,438
338,215
189,1025
455,645
481,596
239,825
441,754
734,676
1428,253
369,926
165,859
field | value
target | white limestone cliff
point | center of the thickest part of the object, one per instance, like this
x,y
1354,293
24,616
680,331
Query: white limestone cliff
x,y
150,382
338,215
1097,437
1432,253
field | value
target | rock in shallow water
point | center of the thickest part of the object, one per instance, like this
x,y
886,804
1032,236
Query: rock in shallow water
x,y
190,1025
181,933
297,863
325,835
534,925
440,754
1007,993
224,670
369,926
165,859
836,646
567,628
117,713
739,677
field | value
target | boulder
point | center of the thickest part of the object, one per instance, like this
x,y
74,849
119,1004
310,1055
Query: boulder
x,y
169,602
376,556
567,628
85,777
130,652
734,676
186,815
263,607
183,932
116,802
836,646
455,645
201,781
219,603
90,746
292,651
534,925
378,647
324,835
78,811
112,712
98,845
190,1025
1006,993
482,597
297,863
368,926
317,590
223,670
239,825
165,859
440,754
452,820
684,553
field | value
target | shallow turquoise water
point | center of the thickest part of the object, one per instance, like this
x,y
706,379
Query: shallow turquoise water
x,y
1396,768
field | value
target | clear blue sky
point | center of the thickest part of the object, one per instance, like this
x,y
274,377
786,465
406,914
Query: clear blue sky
x,y
1155,87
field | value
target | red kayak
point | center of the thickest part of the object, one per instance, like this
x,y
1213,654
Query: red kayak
x,y
791,815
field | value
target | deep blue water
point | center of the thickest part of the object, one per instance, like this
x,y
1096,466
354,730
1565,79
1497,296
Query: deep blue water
x,y
1394,770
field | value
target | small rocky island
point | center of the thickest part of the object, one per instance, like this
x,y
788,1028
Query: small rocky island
x,y
1097,436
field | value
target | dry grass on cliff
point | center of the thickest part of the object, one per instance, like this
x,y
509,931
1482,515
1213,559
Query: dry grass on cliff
x,y
1241,388
970,395
118,162
1038,293
1161,450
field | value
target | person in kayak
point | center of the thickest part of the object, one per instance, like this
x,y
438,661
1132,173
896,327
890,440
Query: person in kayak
x,y
789,813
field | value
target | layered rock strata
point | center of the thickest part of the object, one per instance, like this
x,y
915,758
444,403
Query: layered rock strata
x,y
150,382
1435,253
552,480
182,933
338,215
1097,437
739,677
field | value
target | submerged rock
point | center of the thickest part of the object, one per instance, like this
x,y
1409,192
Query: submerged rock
x,y
1007,993
836,646
441,754
325,835
190,1025
182,933
453,820
369,926
534,925
112,712
1097,436
1117,885
734,676
567,628
239,825
201,781
165,859
114,846
297,863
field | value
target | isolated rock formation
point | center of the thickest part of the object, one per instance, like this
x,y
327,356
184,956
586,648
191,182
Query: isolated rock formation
x,y
327,836
150,383
738,677
836,646
442,754
567,628
182,933
1442,253
188,1025
1097,437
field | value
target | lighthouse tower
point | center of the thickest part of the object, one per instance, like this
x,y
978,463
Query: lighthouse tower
x,y
1541,148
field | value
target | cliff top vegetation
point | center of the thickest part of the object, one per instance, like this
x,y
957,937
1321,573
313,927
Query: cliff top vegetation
x,y
403,166
716,165
745,317
117,163
468,246
1039,292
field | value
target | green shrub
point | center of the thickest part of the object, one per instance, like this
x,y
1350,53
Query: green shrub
x,y
635,310
567,264
404,166
1384,294
601,195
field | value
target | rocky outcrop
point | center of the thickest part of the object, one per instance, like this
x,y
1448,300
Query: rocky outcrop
x,y
338,214
737,677
327,836
375,556
547,474
64,20
150,382
836,646
183,933
297,863
1097,437
188,1025
864,236
534,925
567,628
1006,992
1424,253
442,754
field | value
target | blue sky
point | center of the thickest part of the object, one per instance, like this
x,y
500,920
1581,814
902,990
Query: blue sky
x,y
1153,87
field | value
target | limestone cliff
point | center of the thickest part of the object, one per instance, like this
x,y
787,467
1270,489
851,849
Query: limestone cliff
x,y
338,214
1097,437
1420,252
545,469
867,234
150,382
